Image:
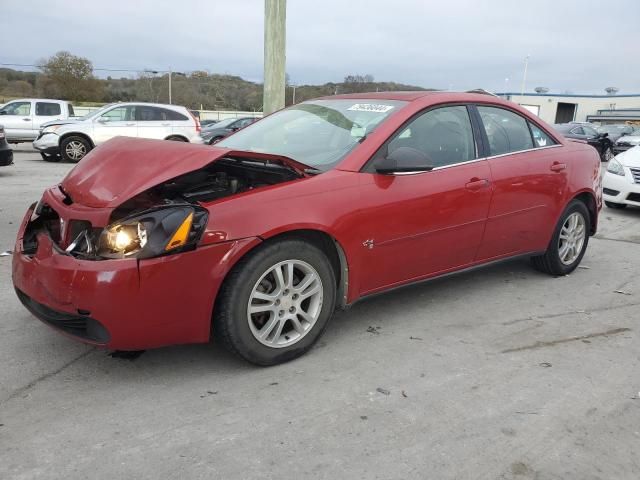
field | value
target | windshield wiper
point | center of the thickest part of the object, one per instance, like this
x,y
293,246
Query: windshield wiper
x,y
313,171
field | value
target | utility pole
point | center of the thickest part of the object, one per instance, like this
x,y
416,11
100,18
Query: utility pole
x,y
274,55
293,100
524,77
170,75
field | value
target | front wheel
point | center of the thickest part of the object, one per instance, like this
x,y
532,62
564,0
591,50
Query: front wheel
x,y
215,140
276,303
73,149
569,242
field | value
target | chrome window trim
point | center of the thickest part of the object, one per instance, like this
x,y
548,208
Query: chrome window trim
x,y
478,160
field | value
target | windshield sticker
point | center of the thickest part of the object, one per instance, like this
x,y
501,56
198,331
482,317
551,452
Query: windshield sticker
x,y
370,107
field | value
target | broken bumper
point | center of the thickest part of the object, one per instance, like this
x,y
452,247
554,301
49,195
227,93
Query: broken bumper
x,y
124,304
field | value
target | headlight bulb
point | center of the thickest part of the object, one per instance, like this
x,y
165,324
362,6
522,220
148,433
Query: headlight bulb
x,y
122,240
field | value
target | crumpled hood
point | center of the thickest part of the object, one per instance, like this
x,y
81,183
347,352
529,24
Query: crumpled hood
x,y
124,167
630,158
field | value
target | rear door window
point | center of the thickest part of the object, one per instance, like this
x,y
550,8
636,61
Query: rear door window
x,y
47,109
506,131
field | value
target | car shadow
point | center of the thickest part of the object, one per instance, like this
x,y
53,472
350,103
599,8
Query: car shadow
x,y
207,359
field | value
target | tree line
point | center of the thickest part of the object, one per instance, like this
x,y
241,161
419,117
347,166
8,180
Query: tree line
x,y
70,77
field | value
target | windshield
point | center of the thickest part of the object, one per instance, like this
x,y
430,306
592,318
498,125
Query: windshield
x,y
318,133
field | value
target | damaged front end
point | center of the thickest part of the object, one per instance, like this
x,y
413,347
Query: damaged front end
x,y
164,213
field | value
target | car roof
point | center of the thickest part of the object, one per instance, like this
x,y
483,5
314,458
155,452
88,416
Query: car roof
x,y
410,96
37,100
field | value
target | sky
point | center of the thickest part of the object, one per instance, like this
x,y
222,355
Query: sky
x,y
573,46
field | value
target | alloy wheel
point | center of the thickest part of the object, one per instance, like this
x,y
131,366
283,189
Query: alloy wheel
x,y
75,150
285,303
572,238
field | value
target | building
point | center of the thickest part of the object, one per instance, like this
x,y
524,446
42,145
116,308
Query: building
x,y
563,108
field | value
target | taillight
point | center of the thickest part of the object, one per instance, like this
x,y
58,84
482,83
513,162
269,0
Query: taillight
x,y
198,127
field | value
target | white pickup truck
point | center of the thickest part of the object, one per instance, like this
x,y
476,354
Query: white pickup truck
x,y
23,118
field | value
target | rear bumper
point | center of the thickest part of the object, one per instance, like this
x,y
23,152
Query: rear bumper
x,y
124,304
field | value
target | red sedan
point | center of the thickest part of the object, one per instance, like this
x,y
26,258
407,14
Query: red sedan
x,y
258,240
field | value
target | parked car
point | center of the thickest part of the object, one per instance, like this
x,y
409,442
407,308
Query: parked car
x,y
259,238
72,140
615,131
206,123
23,118
600,141
216,132
6,153
626,142
621,181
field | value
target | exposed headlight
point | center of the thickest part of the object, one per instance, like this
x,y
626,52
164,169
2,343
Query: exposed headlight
x,y
615,167
51,128
153,233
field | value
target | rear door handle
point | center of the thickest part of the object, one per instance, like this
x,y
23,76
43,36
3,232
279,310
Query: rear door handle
x,y
26,119
476,184
130,124
558,167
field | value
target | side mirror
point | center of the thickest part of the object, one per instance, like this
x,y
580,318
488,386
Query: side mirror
x,y
404,159
103,120
604,135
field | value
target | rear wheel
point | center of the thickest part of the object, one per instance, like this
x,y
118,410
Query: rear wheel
x,y
47,157
276,303
617,206
73,149
176,138
569,242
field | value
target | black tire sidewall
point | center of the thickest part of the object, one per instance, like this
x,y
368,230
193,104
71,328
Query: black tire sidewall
x,y
553,252
50,157
239,289
63,146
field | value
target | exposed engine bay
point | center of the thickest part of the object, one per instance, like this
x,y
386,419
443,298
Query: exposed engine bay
x,y
223,178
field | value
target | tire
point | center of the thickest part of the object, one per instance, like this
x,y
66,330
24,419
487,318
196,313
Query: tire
x,y
50,157
617,206
551,262
239,330
215,140
607,155
176,138
74,148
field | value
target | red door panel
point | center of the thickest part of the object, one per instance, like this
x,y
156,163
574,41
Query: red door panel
x,y
528,190
416,225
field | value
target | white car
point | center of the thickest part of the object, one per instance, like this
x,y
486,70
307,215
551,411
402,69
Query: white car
x,y
621,183
71,140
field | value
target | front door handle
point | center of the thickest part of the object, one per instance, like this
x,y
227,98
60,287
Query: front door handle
x,y
129,124
558,167
26,119
476,184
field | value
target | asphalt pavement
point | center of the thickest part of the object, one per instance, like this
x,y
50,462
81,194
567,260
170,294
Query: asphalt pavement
x,y
499,373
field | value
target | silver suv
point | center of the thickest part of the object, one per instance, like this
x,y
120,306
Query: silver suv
x,y
71,139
